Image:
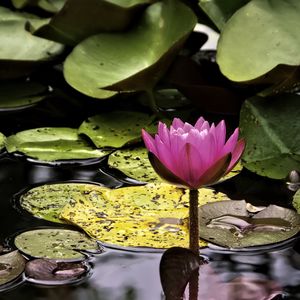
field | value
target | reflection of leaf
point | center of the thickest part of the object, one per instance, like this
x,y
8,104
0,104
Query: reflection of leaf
x,y
80,19
21,52
228,224
154,215
51,144
272,135
11,266
115,129
54,244
125,62
278,41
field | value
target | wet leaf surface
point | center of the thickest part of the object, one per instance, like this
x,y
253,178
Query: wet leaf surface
x,y
271,131
52,144
51,272
11,266
59,244
229,224
116,129
96,63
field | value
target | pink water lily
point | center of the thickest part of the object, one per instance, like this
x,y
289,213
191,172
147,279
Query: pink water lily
x,y
193,156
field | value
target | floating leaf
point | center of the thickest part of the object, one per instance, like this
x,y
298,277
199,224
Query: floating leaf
x,y
115,129
51,272
244,55
47,201
78,20
272,134
20,51
228,223
11,267
134,163
47,5
52,144
220,11
154,215
296,201
125,62
21,94
59,244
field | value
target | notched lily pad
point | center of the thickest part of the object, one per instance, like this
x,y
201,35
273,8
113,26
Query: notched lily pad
x,y
11,267
155,215
47,201
59,244
229,224
51,272
116,129
134,163
52,144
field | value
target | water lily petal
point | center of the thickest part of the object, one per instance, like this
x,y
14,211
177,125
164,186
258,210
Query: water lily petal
x,y
177,123
199,123
187,127
220,135
164,133
149,142
231,142
236,154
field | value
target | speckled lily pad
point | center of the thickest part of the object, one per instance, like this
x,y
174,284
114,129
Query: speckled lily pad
x,y
47,201
155,215
59,244
116,129
52,144
11,267
229,224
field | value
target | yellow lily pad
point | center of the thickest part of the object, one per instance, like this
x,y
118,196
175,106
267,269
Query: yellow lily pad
x,y
155,215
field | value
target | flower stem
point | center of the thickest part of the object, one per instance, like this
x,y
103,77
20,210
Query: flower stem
x,y
194,241
193,221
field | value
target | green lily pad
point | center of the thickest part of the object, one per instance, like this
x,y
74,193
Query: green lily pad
x,y
2,141
125,62
59,244
296,201
115,129
47,5
220,11
154,215
229,224
134,163
244,55
52,144
78,20
47,201
21,94
12,266
21,52
272,134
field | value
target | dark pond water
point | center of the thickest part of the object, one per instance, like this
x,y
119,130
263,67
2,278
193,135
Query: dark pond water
x,y
125,275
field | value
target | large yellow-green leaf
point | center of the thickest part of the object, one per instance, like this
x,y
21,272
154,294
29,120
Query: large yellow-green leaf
x,y
80,19
155,215
47,201
116,129
258,37
134,60
2,141
20,51
271,129
52,144
55,243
